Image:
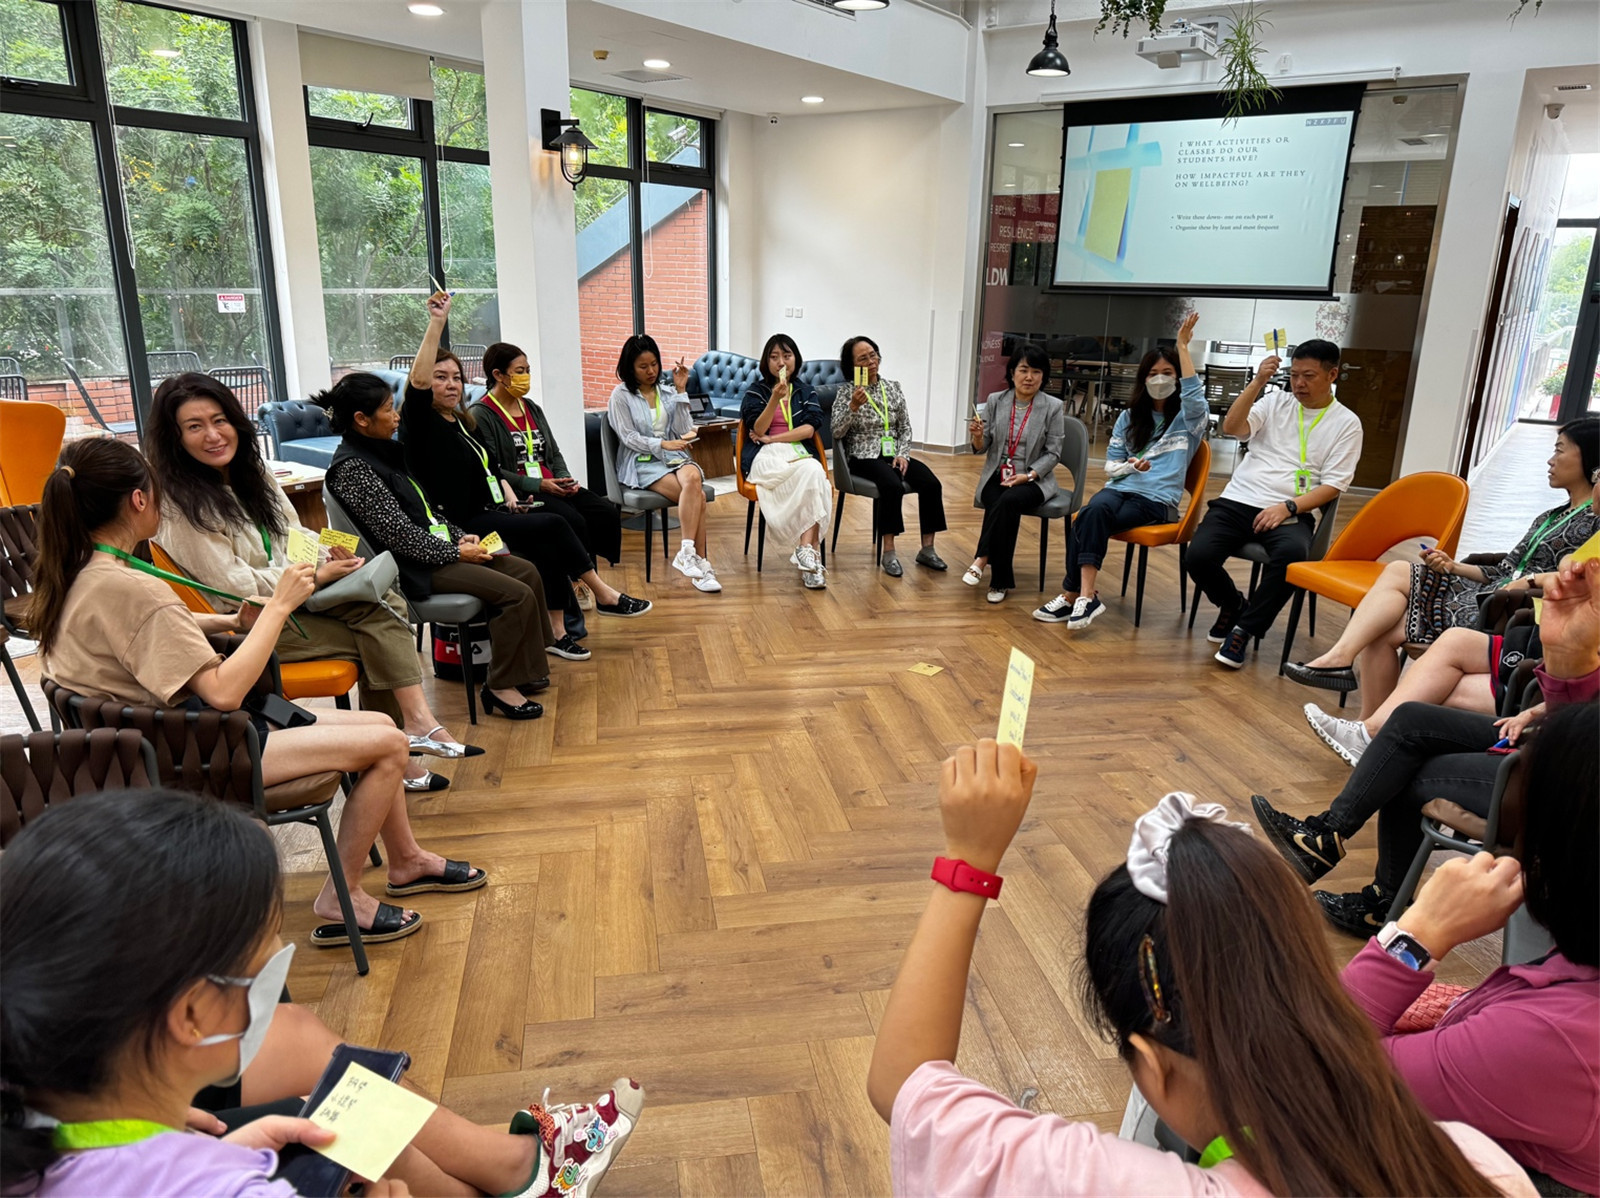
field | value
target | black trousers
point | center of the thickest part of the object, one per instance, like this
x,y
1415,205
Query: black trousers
x,y
886,509
1423,752
1003,510
544,539
596,520
1109,511
1223,532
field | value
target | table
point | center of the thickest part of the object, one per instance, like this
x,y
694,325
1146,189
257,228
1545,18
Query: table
x,y
713,451
303,485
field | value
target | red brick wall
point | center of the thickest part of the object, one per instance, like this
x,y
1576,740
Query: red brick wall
x,y
676,304
112,396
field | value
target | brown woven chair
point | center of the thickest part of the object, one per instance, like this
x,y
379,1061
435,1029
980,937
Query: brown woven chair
x,y
19,532
218,753
44,768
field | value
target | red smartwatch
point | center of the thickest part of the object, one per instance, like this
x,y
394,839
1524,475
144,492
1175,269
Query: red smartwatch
x,y
963,879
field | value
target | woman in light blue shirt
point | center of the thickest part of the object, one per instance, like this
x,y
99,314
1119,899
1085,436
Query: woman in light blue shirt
x,y
1147,460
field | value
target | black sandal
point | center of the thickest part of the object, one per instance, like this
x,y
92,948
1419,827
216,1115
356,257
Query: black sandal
x,y
389,924
457,876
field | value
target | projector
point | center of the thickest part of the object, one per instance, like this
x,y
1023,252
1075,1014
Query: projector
x,y
1184,41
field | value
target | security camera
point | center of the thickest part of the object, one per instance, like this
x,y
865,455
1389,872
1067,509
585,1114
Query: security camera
x,y
772,118
1553,111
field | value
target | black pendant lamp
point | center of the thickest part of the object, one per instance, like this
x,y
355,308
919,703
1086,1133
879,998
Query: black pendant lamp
x,y
1050,63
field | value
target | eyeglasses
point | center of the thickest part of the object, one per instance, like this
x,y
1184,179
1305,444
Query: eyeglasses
x,y
870,355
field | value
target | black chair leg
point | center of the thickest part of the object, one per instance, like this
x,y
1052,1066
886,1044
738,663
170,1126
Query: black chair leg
x,y
374,856
1311,614
419,636
330,850
1127,567
1255,581
761,541
1044,549
838,516
665,528
1183,580
1138,594
649,541
749,521
342,702
16,685
466,673
1294,622
1194,608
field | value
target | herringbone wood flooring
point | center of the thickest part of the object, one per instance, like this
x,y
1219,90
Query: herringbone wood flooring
x,y
708,856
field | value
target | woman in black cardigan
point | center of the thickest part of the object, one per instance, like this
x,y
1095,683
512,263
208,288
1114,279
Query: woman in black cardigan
x,y
465,475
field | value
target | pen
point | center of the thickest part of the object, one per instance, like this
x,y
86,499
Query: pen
x,y
1503,743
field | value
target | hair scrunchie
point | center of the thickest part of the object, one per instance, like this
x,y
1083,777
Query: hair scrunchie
x,y
1152,838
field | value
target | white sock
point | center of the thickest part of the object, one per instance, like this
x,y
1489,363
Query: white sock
x,y
687,547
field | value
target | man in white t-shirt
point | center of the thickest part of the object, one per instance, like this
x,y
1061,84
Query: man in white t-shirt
x,y
1304,445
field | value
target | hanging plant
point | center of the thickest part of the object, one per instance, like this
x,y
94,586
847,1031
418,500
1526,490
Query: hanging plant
x,y
1522,7
1243,84
1121,15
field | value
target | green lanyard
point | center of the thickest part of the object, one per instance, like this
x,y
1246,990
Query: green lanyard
x,y
1305,433
180,580
1215,1153
105,1133
1541,535
435,526
483,456
266,540
522,423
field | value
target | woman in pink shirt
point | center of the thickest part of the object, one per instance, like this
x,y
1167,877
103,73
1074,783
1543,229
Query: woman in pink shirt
x,y
1518,1057
1205,963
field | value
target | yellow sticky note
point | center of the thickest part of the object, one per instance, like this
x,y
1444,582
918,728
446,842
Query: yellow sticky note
x,y
1106,212
1018,695
1276,340
1590,548
493,544
335,539
1538,610
861,376
373,1119
926,670
302,549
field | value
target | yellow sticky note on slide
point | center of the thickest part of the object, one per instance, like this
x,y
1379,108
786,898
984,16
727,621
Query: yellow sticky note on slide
x,y
1276,340
1106,213
493,544
373,1119
302,550
1014,702
926,670
335,539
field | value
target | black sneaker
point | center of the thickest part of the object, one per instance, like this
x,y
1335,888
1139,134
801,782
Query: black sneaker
x,y
1233,649
626,605
1361,913
568,648
1224,625
1307,844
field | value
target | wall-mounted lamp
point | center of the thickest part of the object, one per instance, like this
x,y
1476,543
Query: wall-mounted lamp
x,y
1050,62
562,136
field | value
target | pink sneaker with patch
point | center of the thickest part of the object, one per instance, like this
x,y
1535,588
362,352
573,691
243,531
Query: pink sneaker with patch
x,y
579,1140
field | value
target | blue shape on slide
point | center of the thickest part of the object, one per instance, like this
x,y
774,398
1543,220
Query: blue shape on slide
x,y
1133,154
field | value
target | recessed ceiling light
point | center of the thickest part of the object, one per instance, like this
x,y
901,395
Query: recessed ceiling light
x,y
426,10
860,5
1016,145
657,64
811,99
167,53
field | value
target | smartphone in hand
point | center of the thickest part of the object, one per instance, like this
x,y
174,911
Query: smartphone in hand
x,y
306,1170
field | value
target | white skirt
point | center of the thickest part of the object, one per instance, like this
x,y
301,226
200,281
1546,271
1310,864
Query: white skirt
x,y
793,491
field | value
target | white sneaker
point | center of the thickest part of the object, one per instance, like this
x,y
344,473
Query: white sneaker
x,y
578,1141
707,580
995,595
1348,738
686,563
806,558
815,580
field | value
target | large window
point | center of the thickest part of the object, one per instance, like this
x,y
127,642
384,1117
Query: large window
x,y
403,200
644,215
131,224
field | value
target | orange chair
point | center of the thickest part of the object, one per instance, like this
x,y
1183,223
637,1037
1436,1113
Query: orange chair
x,y
323,679
748,490
1150,536
1430,506
30,441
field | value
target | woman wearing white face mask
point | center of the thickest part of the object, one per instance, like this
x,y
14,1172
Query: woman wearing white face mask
x,y
108,1038
1146,461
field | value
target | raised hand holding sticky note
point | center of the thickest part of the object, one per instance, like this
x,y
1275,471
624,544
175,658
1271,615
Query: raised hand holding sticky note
x,y
1014,702
1276,340
302,550
373,1119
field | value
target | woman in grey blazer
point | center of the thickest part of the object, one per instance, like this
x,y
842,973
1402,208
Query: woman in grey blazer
x,y
1020,435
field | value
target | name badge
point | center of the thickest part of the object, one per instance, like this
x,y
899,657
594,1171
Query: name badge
x,y
1302,481
887,447
1007,470
440,531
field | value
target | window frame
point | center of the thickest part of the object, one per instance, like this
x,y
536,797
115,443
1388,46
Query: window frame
x,y
419,141
87,99
641,171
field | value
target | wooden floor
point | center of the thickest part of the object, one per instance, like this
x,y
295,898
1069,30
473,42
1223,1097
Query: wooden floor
x,y
707,858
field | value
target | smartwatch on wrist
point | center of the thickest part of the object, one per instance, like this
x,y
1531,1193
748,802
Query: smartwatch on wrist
x,y
964,879
1403,947
1294,508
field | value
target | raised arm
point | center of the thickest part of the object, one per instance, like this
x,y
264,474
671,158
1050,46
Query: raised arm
x,y
428,351
1237,421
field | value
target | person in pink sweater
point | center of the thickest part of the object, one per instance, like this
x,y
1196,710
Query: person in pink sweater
x,y
1206,966
1518,1057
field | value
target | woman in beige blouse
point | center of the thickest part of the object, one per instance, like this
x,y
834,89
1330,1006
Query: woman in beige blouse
x,y
226,522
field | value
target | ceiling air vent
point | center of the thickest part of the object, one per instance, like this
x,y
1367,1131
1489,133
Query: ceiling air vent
x,y
647,76
1414,141
1574,87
